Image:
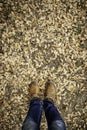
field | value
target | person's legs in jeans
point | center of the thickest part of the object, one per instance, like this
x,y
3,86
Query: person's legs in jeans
x,y
32,121
33,118
54,120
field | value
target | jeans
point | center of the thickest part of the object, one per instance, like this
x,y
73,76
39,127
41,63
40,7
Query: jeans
x,y
33,118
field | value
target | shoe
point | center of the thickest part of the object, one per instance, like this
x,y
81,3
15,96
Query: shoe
x,y
50,91
34,90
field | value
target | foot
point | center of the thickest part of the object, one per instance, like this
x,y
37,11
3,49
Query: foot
x,y
50,91
34,90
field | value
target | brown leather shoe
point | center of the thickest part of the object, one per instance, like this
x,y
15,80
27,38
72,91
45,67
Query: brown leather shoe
x,y
34,90
50,91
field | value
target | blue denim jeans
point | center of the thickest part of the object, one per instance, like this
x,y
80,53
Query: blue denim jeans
x,y
33,118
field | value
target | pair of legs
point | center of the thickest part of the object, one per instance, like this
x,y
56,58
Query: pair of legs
x,y
33,118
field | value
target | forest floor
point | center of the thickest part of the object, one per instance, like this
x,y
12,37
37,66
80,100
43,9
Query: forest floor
x,y
40,40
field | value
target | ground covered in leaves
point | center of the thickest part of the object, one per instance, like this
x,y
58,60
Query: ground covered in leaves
x,y
40,40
